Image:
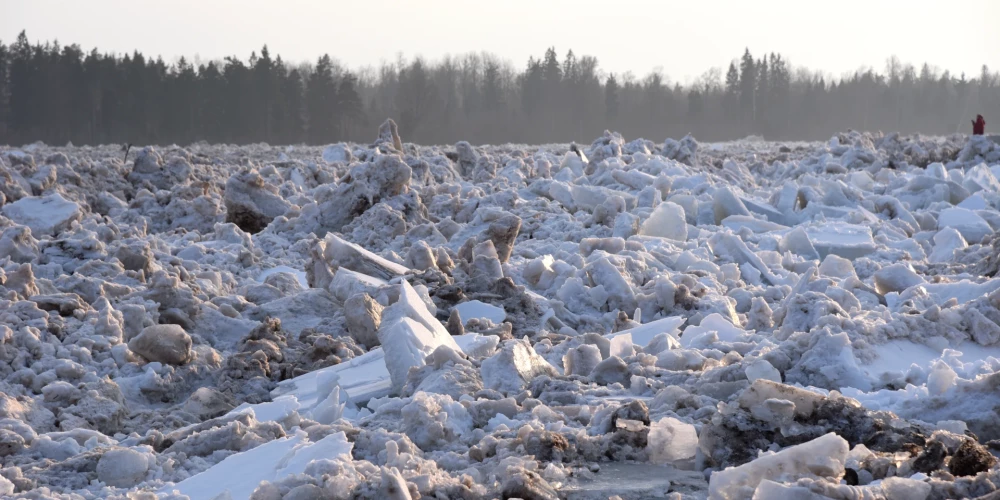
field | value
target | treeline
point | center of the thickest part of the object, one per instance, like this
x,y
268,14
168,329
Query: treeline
x,y
60,94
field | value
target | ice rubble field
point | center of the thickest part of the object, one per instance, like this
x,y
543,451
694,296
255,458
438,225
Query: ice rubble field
x,y
631,319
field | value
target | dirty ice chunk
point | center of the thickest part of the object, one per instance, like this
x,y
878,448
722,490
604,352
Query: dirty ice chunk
x,y
666,221
671,440
480,310
821,457
642,335
44,214
972,227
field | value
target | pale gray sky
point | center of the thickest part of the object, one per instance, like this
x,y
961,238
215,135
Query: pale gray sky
x,y
683,38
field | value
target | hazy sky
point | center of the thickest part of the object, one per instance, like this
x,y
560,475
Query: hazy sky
x,y
684,38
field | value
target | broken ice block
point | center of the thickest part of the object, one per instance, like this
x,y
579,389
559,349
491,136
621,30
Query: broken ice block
x,y
896,278
44,215
725,203
849,241
972,227
581,360
821,457
666,221
481,310
797,242
671,440
514,366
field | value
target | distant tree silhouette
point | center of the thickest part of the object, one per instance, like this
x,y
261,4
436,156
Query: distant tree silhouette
x,y
611,98
321,102
60,93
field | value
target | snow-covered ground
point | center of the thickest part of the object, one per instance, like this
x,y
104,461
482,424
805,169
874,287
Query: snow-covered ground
x,y
669,320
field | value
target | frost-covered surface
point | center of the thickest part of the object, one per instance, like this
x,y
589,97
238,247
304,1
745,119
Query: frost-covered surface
x,y
682,320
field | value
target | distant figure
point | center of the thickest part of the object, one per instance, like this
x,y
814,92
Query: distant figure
x,y
978,126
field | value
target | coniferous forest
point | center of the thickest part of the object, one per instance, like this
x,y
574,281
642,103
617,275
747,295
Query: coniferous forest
x,y
60,94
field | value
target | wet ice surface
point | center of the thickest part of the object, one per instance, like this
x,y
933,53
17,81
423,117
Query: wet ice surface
x,y
669,320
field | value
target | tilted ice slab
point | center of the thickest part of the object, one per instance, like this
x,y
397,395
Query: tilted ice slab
x,y
408,334
277,410
240,474
343,253
642,335
363,378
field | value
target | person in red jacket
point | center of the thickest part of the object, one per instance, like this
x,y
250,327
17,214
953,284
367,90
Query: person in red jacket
x,y
979,126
